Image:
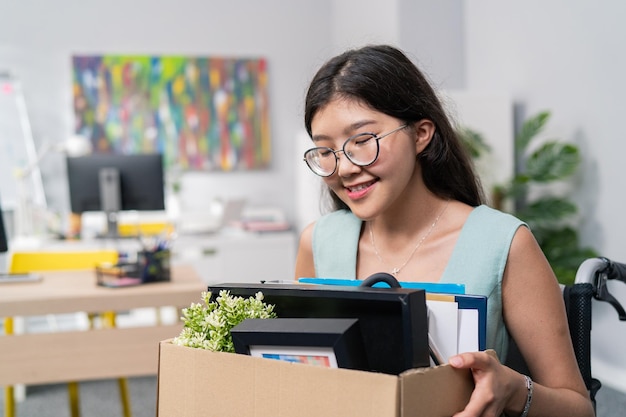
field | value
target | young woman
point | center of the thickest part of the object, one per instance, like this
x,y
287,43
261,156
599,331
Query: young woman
x,y
408,202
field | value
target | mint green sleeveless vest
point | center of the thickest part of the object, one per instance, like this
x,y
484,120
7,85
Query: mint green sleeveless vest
x,y
478,259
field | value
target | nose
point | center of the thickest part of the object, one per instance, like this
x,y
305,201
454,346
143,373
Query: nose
x,y
345,167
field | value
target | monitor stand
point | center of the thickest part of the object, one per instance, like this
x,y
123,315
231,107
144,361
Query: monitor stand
x,y
110,199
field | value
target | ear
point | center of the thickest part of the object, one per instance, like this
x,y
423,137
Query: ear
x,y
423,131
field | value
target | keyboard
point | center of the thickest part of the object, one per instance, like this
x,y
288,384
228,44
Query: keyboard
x,y
7,278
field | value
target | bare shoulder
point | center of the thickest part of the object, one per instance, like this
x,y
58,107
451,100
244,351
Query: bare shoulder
x,y
305,266
526,257
306,236
528,273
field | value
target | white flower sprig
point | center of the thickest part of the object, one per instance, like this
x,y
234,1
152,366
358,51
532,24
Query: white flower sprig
x,y
208,326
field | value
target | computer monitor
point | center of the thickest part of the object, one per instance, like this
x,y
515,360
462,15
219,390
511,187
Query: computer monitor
x,y
6,277
112,182
4,244
393,321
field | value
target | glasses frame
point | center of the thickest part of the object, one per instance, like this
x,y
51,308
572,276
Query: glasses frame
x,y
343,150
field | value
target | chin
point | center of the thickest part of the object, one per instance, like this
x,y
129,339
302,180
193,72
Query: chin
x,y
362,213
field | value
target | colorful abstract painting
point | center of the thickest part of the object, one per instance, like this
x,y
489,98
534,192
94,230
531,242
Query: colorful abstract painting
x,y
202,113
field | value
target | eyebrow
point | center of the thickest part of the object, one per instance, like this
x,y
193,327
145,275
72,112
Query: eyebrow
x,y
347,132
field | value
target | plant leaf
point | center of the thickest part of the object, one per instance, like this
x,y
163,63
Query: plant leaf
x,y
553,161
547,210
208,326
555,241
530,129
473,142
517,187
566,265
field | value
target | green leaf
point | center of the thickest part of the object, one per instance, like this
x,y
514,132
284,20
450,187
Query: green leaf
x,y
566,265
553,161
556,241
530,129
208,326
563,251
565,276
516,188
473,142
547,210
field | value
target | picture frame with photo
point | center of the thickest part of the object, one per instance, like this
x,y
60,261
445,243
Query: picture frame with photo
x,y
331,343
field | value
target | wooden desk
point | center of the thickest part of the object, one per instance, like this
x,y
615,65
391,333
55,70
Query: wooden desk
x,y
94,354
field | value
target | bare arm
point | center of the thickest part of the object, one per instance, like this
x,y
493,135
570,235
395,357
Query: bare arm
x,y
305,266
535,316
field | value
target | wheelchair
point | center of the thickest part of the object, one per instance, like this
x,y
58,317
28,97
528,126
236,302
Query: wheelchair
x,y
590,283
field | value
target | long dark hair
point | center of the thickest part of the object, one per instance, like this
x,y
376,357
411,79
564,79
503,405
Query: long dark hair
x,y
385,79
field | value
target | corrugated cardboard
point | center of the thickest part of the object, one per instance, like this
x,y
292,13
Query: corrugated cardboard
x,y
196,382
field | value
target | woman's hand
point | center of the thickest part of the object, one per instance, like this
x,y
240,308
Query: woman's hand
x,y
496,385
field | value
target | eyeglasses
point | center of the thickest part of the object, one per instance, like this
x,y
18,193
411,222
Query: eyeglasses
x,y
361,150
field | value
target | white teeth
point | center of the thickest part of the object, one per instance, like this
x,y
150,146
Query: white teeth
x,y
359,187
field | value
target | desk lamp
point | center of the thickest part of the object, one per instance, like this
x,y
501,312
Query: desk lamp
x,y
31,209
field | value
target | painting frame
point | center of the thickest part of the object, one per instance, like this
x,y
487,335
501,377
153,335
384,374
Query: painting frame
x,y
204,113
332,343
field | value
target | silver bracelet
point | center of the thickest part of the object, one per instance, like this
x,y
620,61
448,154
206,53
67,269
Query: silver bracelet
x,y
529,398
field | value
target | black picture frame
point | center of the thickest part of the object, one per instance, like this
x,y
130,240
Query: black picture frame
x,y
333,343
393,321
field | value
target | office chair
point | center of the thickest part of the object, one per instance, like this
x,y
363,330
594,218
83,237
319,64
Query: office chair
x,y
26,262
590,283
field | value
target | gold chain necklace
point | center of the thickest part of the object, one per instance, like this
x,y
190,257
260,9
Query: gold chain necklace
x,y
395,271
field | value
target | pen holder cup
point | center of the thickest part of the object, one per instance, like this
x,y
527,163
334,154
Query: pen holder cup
x,y
154,266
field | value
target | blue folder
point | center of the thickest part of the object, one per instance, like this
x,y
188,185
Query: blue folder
x,y
443,288
476,302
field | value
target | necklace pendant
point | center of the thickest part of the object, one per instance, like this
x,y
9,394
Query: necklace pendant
x,y
395,271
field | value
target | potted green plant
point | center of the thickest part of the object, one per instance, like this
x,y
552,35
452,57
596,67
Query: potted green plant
x,y
207,325
551,215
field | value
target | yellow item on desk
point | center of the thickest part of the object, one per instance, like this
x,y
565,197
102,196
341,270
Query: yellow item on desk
x,y
25,262
144,229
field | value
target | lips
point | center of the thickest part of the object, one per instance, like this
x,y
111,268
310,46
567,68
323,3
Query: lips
x,y
359,190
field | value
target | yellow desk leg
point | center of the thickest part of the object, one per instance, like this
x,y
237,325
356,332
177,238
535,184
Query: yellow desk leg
x,y
109,321
9,397
123,384
9,402
72,390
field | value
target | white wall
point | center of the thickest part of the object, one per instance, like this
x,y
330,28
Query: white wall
x,y
432,32
359,22
37,39
567,56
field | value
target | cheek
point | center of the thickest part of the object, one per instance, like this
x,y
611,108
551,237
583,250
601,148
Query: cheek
x,y
400,154
333,182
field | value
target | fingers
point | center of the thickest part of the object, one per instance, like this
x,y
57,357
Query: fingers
x,y
474,360
480,404
488,397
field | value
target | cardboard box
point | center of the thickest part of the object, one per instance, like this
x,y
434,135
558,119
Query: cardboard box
x,y
196,382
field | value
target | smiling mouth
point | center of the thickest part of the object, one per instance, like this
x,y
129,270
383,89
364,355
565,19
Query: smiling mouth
x,y
360,187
